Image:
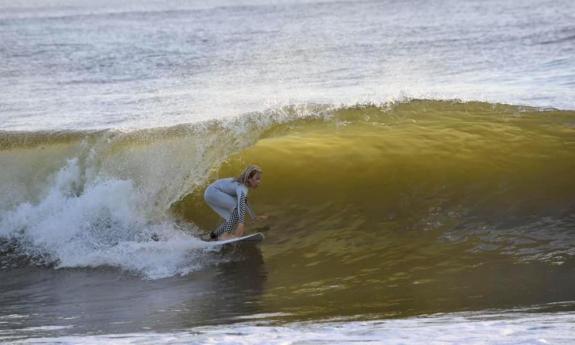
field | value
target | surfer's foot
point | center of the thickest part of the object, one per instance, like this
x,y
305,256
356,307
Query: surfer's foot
x,y
226,236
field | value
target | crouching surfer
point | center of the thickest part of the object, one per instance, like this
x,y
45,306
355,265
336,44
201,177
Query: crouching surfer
x,y
228,197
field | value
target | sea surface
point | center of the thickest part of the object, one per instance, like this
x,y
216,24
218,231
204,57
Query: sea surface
x,y
418,158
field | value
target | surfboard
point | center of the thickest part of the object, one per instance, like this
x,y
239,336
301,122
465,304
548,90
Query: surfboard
x,y
252,239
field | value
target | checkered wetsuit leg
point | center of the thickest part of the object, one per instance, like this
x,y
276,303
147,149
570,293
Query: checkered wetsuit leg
x,y
228,226
235,218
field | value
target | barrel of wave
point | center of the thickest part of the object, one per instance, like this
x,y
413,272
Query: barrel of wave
x,y
377,174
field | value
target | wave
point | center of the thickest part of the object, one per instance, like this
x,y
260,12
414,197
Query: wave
x,y
350,182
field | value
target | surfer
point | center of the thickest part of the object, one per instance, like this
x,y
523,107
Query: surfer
x,y
228,197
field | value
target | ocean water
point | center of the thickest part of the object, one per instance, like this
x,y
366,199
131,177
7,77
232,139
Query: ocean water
x,y
418,166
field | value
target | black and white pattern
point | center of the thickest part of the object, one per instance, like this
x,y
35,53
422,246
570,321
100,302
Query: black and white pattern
x,y
235,218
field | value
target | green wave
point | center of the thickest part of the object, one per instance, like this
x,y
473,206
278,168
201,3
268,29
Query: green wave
x,y
490,177
483,174
388,210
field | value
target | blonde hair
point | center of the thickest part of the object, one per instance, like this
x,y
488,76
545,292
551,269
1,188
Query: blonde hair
x,y
248,173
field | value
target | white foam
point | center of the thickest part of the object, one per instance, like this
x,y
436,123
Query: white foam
x,y
100,223
457,328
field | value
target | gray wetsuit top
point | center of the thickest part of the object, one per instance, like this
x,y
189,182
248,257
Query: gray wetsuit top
x,y
226,194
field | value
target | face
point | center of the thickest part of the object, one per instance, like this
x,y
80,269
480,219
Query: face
x,y
255,180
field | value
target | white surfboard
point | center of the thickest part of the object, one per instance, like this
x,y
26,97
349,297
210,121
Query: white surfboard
x,y
252,238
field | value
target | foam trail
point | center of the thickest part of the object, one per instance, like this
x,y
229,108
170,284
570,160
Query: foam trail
x,y
457,328
101,225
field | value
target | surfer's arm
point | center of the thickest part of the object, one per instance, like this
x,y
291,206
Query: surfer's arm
x,y
250,211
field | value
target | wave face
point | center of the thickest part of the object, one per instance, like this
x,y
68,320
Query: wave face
x,y
501,175
413,207
372,205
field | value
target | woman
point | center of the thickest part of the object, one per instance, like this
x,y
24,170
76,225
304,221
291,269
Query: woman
x,y
228,197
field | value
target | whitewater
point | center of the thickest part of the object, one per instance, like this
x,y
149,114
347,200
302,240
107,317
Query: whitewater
x,y
418,166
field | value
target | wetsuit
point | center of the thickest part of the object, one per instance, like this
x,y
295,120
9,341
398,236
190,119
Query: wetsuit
x,y
229,199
